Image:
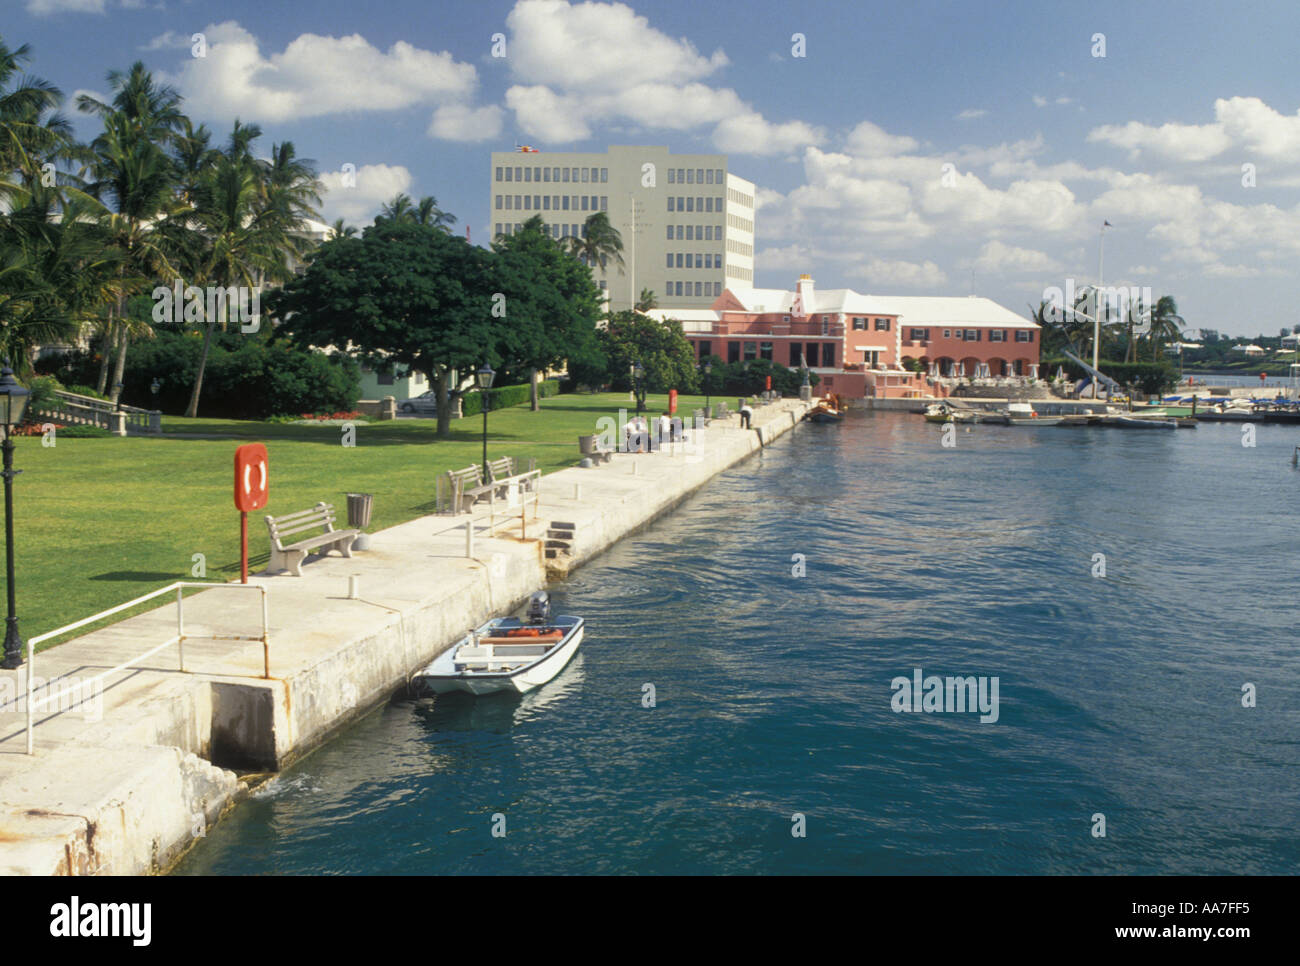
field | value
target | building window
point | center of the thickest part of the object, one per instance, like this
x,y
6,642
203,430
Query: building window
x,y
882,325
828,354
920,335
499,202
679,259
670,232
972,335
751,351
584,202
604,202
546,202
679,233
672,175
733,351
826,325
690,233
386,378
670,260
671,201
604,175
717,288
564,200
690,204
765,351
708,176
586,174
690,176
956,334
528,174
811,350
564,172
603,286
859,325
997,335
1024,335
795,351
699,289
785,319
546,174
499,178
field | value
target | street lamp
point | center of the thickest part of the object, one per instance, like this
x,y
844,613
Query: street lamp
x,y
483,378
154,387
638,381
708,371
631,382
13,403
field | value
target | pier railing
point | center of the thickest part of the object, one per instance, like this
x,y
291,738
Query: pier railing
x,y
74,409
526,486
179,640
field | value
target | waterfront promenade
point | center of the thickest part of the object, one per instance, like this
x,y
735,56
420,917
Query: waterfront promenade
x,y
123,784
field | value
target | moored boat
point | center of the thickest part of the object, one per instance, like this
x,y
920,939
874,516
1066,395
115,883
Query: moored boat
x,y
1022,414
505,654
827,410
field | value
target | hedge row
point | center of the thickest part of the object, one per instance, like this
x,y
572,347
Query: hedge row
x,y
506,396
1151,378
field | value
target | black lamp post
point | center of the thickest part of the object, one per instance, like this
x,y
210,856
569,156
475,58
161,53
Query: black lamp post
x,y
638,381
483,378
154,387
708,374
13,403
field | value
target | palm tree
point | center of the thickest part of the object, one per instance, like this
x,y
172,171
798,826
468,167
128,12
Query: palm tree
x,y
647,301
243,237
342,230
599,243
132,168
290,197
1166,323
31,132
424,212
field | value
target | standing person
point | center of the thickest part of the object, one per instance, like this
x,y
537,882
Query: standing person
x,y
746,414
665,429
629,428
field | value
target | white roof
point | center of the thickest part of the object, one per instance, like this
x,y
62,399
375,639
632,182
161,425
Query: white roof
x,y
919,310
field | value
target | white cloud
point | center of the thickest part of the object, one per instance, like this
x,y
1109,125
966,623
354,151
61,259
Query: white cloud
x,y
902,274
751,134
867,140
582,67
373,185
999,258
1244,124
314,76
43,8
168,40
1040,101
459,122
971,113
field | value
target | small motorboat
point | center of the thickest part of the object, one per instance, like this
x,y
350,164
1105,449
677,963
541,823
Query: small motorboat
x,y
1022,414
827,410
1136,422
942,412
505,654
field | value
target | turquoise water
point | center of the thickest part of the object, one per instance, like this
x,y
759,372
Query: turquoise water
x,y
1120,696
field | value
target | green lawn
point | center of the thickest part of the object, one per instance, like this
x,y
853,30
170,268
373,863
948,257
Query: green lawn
x,y
100,521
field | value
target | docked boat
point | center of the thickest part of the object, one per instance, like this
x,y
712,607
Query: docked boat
x,y
943,412
1137,422
827,410
505,654
1022,414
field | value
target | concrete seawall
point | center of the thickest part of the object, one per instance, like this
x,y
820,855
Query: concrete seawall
x,y
125,787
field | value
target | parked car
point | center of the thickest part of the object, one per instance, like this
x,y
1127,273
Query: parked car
x,y
425,404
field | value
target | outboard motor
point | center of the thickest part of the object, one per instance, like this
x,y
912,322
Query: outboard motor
x,y
539,608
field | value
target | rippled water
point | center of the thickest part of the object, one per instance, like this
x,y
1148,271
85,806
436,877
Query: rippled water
x,y
1119,696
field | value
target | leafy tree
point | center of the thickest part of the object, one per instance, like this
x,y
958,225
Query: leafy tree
x,y
551,302
400,293
425,212
660,347
646,301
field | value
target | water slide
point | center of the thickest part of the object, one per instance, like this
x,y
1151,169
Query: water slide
x,y
1111,385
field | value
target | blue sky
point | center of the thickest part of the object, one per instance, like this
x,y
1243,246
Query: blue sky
x,y
847,144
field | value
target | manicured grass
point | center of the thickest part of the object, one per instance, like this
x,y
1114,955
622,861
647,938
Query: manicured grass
x,y
101,521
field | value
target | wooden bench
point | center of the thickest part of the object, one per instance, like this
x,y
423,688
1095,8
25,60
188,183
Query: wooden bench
x,y
466,486
290,557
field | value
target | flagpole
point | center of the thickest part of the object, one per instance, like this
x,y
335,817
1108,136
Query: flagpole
x,y
1096,320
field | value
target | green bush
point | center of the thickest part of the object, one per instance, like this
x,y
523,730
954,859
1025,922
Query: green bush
x,y
81,432
1150,378
505,396
750,378
246,377
42,389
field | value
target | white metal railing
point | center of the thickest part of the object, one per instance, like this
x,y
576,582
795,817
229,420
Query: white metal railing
x,y
527,486
179,640
76,409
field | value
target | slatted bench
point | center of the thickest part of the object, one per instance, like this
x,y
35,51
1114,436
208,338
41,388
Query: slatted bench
x,y
290,557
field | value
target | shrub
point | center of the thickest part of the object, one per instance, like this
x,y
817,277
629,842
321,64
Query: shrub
x,y
505,396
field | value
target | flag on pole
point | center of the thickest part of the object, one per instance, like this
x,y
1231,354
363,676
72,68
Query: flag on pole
x,y
1106,224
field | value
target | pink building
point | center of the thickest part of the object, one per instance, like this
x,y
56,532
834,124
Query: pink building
x,y
860,344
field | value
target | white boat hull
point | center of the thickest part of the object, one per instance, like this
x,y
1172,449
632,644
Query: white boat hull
x,y
441,676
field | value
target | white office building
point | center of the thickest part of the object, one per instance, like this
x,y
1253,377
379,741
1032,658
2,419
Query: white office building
x,y
687,222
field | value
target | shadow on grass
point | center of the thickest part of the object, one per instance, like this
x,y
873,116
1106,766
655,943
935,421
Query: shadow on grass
x,y
139,576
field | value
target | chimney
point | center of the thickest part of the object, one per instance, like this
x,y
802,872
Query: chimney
x,y
805,302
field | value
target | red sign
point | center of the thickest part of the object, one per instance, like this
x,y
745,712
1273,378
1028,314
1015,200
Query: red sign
x,y
1263,376
252,478
672,401
769,383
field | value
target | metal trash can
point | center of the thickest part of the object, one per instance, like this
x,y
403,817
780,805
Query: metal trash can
x,y
587,444
359,510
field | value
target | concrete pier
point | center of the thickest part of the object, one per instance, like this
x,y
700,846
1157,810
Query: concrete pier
x,y
125,782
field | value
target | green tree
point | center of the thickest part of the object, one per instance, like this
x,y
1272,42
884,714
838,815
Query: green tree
x,y
551,302
646,301
660,347
599,244
400,293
